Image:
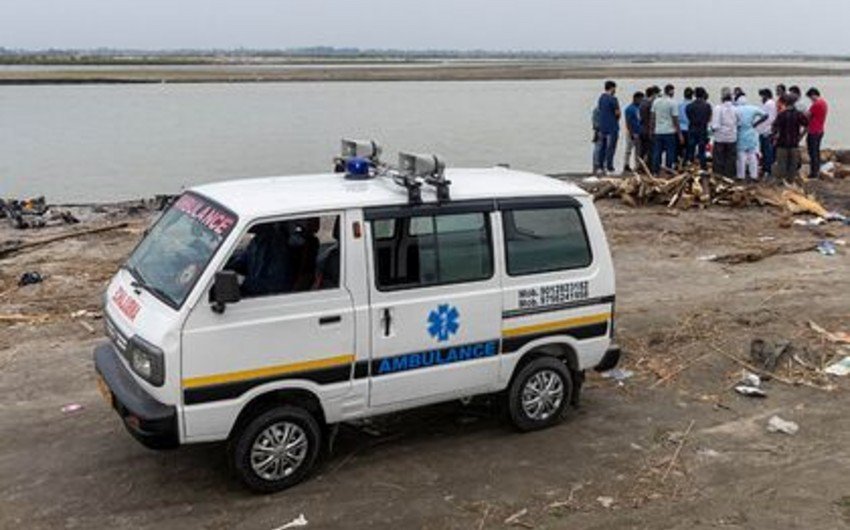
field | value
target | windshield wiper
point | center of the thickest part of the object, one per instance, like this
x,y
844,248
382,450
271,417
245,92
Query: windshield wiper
x,y
140,283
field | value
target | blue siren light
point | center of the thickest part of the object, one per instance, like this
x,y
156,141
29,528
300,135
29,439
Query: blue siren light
x,y
358,168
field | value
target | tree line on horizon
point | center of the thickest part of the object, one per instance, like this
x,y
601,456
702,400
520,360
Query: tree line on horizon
x,y
190,55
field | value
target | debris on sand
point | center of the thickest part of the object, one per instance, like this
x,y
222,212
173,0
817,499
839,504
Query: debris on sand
x,y
778,425
618,374
836,164
766,355
752,256
827,248
750,391
34,213
24,245
750,385
605,501
30,278
840,368
18,317
841,337
515,518
678,451
298,522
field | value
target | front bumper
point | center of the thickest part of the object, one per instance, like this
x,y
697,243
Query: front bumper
x,y
610,359
150,422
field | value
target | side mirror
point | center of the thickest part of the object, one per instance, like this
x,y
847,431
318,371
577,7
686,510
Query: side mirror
x,y
225,290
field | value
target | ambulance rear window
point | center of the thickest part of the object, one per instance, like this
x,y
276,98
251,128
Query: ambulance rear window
x,y
545,240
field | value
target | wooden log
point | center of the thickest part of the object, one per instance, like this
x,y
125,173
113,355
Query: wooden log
x,y
14,249
800,203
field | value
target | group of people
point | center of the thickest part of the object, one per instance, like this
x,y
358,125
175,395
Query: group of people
x,y
745,140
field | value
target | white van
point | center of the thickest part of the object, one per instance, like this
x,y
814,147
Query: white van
x,y
263,311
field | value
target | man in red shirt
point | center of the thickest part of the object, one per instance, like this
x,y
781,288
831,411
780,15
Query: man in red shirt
x,y
817,121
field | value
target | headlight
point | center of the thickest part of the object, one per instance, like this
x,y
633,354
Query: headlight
x,y
146,360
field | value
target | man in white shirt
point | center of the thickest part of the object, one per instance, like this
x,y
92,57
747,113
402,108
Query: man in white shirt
x,y
725,127
765,130
667,134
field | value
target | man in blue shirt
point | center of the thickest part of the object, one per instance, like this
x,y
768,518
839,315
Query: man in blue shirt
x,y
633,132
609,128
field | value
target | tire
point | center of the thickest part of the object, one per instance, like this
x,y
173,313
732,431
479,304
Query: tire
x,y
550,379
258,441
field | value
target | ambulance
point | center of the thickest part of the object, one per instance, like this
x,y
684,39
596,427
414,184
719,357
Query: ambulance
x,y
263,312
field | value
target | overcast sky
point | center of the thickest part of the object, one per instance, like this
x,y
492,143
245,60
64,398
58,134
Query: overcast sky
x,y
744,26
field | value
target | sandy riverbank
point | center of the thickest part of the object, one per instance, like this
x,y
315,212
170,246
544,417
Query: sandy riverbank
x,y
681,320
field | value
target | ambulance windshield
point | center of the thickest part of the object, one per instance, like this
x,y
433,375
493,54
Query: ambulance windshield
x,y
169,260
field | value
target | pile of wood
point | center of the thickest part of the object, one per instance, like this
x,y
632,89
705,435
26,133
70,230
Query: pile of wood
x,y
698,188
834,163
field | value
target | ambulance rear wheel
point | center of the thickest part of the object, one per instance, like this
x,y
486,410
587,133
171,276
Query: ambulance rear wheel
x,y
539,394
277,449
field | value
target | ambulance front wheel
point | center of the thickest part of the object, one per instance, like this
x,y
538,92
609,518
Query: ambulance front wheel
x,y
277,449
539,394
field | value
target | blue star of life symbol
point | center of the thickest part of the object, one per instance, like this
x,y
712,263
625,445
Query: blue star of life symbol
x,y
443,322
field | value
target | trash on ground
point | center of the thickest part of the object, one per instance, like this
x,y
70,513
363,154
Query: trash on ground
x,y
30,278
827,248
835,216
618,374
840,368
605,501
72,407
777,424
750,379
708,257
750,391
766,355
816,221
708,453
85,313
298,522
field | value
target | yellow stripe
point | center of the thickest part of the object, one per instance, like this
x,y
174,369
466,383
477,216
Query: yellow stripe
x,y
558,324
268,371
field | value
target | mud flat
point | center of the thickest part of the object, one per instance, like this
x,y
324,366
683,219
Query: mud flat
x,y
686,324
436,71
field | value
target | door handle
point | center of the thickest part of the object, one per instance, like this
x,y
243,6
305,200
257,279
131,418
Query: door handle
x,y
387,321
332,319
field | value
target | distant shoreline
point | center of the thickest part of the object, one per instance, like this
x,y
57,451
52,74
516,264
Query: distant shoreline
x,y
467,70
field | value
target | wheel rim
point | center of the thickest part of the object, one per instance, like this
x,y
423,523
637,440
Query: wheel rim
x,y
542,395
279,450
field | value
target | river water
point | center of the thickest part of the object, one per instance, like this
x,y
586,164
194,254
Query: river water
x,y
107,142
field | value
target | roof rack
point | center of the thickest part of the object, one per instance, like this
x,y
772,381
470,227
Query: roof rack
x,y
361,160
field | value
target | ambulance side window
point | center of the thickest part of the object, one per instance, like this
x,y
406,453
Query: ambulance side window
x,y
424,251
545,240
291,256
